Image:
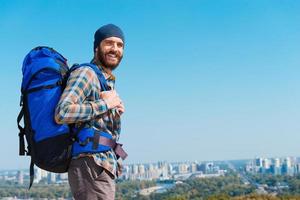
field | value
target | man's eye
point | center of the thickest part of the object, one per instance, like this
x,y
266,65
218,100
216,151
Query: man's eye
x,y
109,43
120,45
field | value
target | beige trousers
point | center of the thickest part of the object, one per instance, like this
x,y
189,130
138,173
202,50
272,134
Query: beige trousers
x,y
89,181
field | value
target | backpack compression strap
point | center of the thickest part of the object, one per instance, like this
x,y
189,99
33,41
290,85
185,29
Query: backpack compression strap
x,y
22,150
21,134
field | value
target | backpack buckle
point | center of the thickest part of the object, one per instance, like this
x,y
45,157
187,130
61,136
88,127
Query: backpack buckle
x,y
85,142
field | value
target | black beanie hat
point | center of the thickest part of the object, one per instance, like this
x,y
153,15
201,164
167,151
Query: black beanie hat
x,y
106,31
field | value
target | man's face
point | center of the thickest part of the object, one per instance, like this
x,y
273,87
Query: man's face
x,y
110,52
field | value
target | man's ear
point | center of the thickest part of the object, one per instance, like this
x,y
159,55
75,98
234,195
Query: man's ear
x,y
96,53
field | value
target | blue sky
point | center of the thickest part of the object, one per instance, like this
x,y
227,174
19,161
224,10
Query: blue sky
x,y
201,80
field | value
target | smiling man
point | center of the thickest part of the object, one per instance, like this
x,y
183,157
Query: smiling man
x,y
92,174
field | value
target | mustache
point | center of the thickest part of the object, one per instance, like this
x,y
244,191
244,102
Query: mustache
x,y
114,53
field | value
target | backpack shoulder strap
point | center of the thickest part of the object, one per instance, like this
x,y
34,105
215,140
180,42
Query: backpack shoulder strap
x,y
102,80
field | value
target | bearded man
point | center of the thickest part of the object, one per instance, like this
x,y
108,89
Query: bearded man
x,y
92,174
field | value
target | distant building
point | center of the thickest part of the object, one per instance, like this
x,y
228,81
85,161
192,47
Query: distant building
x,y
135,169
287,167
63,176
208,168
166,171
193,168
183,168
170,169
266,163
258,162
44,173
38,175
265,168
141,169
277,162
126,172
276,168
20,177
51,178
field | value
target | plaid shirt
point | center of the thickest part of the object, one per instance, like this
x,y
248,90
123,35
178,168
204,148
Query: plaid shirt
x,y
81,102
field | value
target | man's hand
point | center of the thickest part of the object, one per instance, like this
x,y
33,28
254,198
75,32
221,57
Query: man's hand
x,y
111,98
120,108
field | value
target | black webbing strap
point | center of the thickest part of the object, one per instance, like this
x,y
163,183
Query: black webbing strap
x,y
45,87
22,150
95,140
75,131
31,173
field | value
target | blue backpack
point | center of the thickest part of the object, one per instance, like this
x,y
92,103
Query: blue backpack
x,y
51,145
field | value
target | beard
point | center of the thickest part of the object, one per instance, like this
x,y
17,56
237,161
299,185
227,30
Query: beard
x,y
101,56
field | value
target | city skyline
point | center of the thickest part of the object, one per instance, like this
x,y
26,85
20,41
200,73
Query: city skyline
x,y
205,80
161,177
163,170
185,161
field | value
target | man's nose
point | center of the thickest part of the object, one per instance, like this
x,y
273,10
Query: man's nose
x,y
115,46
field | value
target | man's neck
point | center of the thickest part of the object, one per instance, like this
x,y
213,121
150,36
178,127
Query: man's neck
x,y
105,69
107,72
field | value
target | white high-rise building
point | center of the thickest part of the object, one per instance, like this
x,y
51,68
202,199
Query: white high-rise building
x,y
170,169
277,162
165,171
276,166
193,168
183,168
288,162
141,169
63,176
135,169
151,167
38,175
266,163
44,173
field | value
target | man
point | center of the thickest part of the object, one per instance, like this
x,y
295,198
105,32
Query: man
x,y
91,175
